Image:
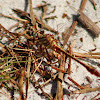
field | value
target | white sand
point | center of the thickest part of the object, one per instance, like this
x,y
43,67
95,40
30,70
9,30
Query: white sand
x,y
78,72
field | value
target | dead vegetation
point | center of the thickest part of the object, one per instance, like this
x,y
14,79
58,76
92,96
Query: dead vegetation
x,y
38,52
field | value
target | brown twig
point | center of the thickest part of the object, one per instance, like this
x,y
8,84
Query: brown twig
x,y
86,90
89,24
59,95
20,85
28,74
79,86
32,16
82,5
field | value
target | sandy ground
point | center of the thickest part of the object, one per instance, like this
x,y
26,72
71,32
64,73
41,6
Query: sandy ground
x,y
78,72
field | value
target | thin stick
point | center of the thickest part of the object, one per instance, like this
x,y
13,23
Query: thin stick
x,y
79,86
89,24
14,18
84,55
28,74
86,90
33,21
67,36
70,51
20,85
59,95
83,5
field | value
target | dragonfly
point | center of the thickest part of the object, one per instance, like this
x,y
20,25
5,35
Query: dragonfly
x,y
50,42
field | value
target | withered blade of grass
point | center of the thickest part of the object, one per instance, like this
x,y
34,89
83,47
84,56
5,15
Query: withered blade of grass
x,y
84,55
91,69
96,53
28,74
70,51
69,66
4,35
36,68
32,16
5,64
59,94
28,50
73,81
14,56
86,90
14,18
20,85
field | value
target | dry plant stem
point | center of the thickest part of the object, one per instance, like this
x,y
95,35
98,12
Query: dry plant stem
x,y
83,5
91,69
14,55
79,86
86,90
33,21
20,85
59,95
84,55
28,74
18,19
89,24
67,36
70,51
36,68
69,65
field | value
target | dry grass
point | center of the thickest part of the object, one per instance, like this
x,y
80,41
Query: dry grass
x,y
39,52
